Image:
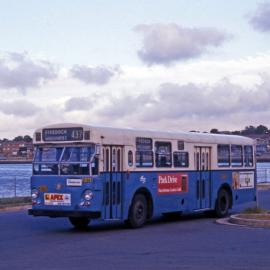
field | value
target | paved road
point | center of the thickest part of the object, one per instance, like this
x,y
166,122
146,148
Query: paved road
x,y
194,242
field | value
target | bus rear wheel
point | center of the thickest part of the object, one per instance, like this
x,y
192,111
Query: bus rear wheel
x,y
222,203
138,211
79,222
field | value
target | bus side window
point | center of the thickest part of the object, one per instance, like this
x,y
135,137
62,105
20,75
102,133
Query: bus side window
x,y
236,155
223,155
198,161
203,161
118,159
130,158
104,160
144,153
144,159
113,160
180,159
163,151
107,159
248,156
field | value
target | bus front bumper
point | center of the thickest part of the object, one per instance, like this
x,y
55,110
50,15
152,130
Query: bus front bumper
x,y
57,213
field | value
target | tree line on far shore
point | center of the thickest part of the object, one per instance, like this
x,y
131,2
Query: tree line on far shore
x,y
25,138
249,130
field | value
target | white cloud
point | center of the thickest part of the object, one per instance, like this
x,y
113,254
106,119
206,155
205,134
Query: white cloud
x,y
78,104
167,43
260,20
20,72
19,108
187,96
201,104
99,75
126,105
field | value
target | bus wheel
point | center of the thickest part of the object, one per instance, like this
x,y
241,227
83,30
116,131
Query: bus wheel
x,y
222,203
79,222
138,212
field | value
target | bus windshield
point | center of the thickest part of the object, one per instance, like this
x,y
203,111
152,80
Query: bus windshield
x,y
73,160
77,154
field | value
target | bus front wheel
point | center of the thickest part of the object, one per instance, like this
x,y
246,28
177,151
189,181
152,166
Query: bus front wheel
x,y
79,222
222,203
138,211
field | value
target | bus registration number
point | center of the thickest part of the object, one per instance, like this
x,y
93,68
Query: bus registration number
x,y
57,199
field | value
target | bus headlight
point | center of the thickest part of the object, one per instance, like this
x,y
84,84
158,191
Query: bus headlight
x,y
88,195
34,194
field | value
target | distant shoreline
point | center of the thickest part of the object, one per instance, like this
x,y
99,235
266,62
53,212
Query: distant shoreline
x,y
15,161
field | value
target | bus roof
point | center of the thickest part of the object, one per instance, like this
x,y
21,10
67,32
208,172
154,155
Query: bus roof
x,y
127,135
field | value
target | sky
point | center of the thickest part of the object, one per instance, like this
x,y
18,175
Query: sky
x,y
164,65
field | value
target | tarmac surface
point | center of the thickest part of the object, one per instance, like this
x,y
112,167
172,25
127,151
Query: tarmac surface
x,y
192,242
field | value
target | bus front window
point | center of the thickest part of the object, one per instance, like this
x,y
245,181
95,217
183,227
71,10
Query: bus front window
x,y
75,160
46,160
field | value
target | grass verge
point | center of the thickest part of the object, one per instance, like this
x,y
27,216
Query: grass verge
x,y
255,210
16,201
255,213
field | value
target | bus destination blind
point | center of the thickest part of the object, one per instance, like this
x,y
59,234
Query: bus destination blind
x,y
62,134
143,144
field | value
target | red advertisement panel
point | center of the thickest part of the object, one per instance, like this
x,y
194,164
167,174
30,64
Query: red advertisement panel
x,y
171,183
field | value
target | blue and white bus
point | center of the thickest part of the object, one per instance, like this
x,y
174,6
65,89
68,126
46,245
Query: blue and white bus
x,y
84,172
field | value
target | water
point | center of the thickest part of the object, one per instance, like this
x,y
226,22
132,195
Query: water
x,y
263,172
15,178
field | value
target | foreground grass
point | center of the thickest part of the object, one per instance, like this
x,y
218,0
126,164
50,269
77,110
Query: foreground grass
x,y
16,201
255,210
255,213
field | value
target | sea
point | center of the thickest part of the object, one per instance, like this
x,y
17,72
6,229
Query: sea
x,y
15,178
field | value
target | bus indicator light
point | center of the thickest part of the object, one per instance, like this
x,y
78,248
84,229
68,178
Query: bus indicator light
x,y
43,188
87,180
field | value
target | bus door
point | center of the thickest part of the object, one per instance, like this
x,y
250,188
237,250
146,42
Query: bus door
x,y
113,168
202,158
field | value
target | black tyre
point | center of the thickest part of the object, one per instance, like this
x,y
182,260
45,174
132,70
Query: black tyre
x,y
222,203
79,222
138,212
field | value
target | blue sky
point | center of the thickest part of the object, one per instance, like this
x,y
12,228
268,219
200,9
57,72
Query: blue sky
x,y
101,32
87,61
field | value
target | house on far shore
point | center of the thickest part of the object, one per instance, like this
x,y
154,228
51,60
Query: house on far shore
x,y
16,150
